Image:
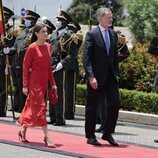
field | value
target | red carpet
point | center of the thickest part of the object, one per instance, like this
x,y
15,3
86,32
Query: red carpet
x,y
69,144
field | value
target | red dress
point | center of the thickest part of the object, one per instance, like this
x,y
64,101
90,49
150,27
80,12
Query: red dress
x,y
37,72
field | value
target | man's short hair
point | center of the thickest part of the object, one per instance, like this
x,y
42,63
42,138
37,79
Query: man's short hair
x,y
101,12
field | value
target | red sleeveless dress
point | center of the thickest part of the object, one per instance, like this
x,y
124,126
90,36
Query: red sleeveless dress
x,y
37,72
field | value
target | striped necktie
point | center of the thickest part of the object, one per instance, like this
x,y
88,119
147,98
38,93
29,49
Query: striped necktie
x,y
107,41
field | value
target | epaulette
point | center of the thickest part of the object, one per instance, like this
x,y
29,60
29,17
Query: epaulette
x,y
121,38
65,41
80,36
77,37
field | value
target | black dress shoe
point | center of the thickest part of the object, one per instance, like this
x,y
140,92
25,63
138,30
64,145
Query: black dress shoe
x,y
156,140
59,123
93,141
110,139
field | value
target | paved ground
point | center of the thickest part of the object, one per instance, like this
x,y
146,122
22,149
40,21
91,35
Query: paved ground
x,y
138,134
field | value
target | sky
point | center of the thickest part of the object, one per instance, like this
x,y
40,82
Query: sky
x,y
48,8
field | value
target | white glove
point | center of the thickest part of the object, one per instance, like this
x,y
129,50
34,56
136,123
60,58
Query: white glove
x,y
59,66
6,50
25,91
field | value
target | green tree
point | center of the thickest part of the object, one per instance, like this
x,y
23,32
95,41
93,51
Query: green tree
x,y
83,10
143,19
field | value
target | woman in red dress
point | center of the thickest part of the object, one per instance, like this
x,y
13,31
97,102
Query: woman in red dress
x,y
37,73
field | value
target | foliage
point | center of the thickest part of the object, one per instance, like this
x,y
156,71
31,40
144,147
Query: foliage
x,y
139,101
143,19
84,11
81,94
81,69
131,100
138,71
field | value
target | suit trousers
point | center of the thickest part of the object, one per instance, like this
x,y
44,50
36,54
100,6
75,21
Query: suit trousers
x,y
110,89
57,111
102,110
70,91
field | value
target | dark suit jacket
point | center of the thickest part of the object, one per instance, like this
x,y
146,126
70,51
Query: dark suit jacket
x,y
96,61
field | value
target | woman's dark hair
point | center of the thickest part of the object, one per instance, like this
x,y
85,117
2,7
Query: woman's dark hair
x,y
36,28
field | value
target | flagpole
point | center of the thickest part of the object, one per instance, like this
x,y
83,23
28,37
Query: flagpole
x,y
2,18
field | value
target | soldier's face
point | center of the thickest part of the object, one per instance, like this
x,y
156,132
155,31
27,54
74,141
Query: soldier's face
x,y
28,23
42,34
58,23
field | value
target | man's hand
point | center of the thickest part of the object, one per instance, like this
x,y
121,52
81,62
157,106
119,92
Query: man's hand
x,y
93,82
25,91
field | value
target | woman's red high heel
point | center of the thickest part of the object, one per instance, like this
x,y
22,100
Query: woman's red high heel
x,y
21,138
49,144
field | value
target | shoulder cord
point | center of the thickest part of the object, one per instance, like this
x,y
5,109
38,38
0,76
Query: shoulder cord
x,y
65,45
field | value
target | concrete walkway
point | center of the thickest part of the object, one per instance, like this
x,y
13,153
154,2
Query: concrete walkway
x,y
130,133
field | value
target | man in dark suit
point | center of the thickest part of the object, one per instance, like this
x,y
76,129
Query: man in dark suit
x,y
123,54
100,58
